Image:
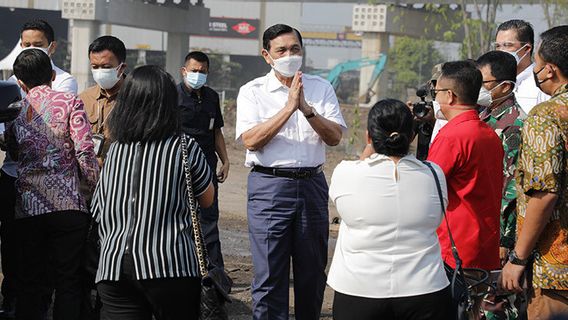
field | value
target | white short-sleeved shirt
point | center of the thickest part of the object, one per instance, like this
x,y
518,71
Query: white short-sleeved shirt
x,y
296,144
527,93
387,245
64,82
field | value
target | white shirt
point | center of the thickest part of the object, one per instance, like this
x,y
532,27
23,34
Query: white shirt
x,y
296,144
437,126
63,82
527,93
387,245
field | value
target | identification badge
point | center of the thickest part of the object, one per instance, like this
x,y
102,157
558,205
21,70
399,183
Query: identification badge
x,y
211,123
98,141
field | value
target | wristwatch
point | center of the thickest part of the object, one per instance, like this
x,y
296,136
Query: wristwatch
x,y
312,114
514,259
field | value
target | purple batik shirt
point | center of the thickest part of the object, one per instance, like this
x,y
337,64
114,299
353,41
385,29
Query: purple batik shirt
x,y
52,141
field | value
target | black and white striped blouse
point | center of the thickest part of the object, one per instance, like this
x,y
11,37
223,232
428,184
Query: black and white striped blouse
x,y
154,223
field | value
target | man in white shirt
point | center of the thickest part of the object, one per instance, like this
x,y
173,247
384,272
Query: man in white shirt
x,y
517,38
35,34
285,119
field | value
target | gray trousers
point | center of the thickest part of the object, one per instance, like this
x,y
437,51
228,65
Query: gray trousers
x,y
288,218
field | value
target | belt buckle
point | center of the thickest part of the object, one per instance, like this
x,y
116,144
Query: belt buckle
x,y
303,174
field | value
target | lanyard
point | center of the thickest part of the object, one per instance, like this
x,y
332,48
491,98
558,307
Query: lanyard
x,y
100,120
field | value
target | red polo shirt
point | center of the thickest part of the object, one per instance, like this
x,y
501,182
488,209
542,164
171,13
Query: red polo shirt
x,y
471,155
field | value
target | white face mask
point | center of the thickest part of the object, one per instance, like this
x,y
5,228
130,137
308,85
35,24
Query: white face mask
x,y
288,65
438,111
45,50
485,99
106,78
515,54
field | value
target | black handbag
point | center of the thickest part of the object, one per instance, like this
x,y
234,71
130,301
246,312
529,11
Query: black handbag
x,y
460,288
214,294
92,251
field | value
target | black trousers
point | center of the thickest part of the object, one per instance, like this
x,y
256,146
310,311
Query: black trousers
x,y
431,306
51,243
165,299
8,245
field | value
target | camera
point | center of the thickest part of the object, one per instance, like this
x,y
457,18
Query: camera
x,y
9,98
422,107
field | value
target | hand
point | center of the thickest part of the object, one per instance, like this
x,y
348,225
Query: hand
x,y
511,277
503,255
295,92
304,106
223,172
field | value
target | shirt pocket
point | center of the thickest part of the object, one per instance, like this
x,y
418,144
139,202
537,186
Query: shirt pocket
x,y
92,114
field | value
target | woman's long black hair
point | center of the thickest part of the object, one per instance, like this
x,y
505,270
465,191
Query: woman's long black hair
x,y
146,107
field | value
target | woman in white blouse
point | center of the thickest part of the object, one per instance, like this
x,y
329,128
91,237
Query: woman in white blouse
x,y
387,262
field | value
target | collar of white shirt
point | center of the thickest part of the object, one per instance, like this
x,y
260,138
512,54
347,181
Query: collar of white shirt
x,y
272,83
525,74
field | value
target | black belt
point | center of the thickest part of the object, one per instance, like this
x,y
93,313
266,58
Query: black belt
x,y
294,173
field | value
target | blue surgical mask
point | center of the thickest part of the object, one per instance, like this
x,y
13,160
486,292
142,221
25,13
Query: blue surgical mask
x,y
195,80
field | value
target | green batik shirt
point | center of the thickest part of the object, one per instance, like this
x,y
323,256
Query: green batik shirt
x,y
507,121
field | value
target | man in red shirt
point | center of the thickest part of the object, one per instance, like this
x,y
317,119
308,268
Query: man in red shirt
x,y
471,155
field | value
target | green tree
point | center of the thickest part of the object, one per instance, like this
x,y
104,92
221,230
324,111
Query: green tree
x,y
410,64
555,12
223,72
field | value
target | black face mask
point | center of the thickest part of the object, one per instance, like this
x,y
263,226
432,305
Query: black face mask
x,y
536,80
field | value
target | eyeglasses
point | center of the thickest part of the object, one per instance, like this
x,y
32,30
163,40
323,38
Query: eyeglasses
x,y
507,45
434,92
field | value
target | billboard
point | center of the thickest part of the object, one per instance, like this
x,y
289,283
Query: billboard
x,y
235,28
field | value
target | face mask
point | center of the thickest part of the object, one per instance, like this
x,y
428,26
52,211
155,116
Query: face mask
x,y
515,54
537,81
438,111
288,65
106,78
195,80
45,50
484,98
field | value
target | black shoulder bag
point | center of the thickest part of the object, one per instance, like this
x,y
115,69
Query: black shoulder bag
x,y
213,293
461,290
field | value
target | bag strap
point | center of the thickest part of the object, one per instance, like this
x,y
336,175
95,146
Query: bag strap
x,y
458,267
196,225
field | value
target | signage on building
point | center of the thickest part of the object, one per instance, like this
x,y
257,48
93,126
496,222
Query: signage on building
x,y
233,28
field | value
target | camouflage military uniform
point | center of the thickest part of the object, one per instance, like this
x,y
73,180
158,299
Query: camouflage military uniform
x,y
507,121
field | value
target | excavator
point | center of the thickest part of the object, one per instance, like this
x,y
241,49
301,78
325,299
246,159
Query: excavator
x,y
334,74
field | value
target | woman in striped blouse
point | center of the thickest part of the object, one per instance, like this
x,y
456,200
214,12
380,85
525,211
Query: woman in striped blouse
x,y
148,265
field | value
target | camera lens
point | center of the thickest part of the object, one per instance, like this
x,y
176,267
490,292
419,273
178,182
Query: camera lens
x,y
419,109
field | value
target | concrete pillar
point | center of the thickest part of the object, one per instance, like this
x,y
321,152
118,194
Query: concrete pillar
x,y
83,32
177,49
373,43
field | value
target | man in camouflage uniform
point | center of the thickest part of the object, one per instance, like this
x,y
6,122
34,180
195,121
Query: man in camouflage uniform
x,y
505,116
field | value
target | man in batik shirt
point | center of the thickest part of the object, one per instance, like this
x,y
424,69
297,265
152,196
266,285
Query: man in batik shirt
x,y
542,191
